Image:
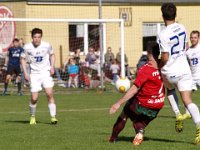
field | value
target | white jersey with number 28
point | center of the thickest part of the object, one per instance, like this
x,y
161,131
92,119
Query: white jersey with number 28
x,y
38,57
173,40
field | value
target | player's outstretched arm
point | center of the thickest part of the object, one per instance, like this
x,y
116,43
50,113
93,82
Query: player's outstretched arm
x,y
52,61
129,94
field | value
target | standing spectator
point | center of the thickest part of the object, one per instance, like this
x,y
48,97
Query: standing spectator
x,y
21,42
73,73
118,57
77,57
91,59
114,68
12,65
109,57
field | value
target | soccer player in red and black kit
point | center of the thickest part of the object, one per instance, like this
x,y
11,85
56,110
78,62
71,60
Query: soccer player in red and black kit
x,y
144,99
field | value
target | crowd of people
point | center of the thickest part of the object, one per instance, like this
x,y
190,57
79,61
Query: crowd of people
x,y
83,72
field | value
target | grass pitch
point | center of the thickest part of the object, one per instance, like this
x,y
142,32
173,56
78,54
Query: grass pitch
x,y
84,123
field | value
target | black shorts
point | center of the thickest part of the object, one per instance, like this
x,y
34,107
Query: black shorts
x,y
13,70
138,113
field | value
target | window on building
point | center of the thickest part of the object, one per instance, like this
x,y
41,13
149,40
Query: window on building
x,y
76,36
150,32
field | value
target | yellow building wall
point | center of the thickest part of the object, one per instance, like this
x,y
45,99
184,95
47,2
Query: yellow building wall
x,y
57,33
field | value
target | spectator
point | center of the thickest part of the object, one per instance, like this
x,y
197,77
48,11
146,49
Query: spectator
x,y
143,60
118,57
92,61
114,68
77,57
21,42
109,57
86,79
73,71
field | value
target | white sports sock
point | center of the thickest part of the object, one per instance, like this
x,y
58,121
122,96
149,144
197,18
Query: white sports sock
x,y
194,111
52,109
32,108
173,105
187,111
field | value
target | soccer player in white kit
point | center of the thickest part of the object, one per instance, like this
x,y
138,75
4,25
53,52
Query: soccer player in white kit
x,y
174,66
40,56
193,54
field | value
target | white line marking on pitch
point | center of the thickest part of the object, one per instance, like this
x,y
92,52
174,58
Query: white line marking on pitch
x,y
60,110
64,110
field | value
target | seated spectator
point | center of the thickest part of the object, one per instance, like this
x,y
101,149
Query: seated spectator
x,y
114,68
93,62
109,57
73,71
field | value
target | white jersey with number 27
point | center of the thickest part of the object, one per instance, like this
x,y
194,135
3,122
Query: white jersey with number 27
x,y
38,57
173,40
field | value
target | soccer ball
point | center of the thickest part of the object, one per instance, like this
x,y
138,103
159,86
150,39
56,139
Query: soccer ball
x,y
122,85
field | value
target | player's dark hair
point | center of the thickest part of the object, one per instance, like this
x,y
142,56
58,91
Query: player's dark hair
x,y
195,32
168,11
16,40
36,31
153,48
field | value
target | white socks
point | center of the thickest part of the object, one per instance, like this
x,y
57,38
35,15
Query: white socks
x,y
173,105
187,111
52,109
32,108
194,111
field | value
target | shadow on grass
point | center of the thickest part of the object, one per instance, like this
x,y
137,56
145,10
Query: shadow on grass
x,y
19,121
27,122
130,139
161,116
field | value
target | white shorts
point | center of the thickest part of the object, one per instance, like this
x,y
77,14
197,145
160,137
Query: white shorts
x,y
39,81
183,82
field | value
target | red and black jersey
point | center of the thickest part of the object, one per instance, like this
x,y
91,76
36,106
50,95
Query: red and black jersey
x,y
151,89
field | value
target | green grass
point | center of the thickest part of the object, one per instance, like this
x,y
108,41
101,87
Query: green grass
x,y
83,126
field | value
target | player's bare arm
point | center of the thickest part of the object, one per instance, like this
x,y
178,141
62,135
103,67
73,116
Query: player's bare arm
x,y
164,59
23,63
130,93
52,61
